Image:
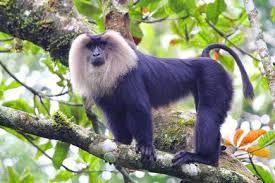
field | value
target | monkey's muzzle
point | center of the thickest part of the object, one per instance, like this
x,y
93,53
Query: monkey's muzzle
x,y
97,61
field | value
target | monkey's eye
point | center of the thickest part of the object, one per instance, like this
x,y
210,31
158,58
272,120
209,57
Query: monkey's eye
x,y
90,45
102,44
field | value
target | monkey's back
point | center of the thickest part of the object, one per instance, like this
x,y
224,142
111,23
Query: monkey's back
x,y
168,79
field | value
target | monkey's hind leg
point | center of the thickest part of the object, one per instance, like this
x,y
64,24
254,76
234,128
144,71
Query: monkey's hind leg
x,y
207,136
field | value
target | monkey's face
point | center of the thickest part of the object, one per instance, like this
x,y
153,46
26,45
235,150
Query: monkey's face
x,y
96,47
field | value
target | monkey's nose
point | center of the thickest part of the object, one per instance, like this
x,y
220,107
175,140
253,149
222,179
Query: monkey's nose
x,y
96,54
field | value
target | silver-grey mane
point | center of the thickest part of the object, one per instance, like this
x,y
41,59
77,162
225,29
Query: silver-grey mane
x,y
90,81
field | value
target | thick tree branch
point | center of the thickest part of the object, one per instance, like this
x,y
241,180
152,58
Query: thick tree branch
x,y
261,47
121,155
49,24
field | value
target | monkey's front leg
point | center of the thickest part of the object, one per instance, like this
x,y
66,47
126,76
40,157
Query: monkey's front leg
x,y
140,125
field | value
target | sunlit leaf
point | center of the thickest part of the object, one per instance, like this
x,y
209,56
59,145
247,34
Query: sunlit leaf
x,y
258,151
12,85
44,147
237,136
60,153
252,136
273,14
215,9
13,176
136,31
19,104
44,107
62,175
176,5
87,7
265,174
227,143
264,83
27,177
267,138
237,38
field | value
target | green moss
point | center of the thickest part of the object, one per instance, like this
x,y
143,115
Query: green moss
x,y
5,2
109,157
61,119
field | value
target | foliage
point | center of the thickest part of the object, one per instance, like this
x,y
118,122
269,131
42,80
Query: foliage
x,y
174,28
264,174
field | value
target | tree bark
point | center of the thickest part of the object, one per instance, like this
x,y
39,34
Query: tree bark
x,y
261,47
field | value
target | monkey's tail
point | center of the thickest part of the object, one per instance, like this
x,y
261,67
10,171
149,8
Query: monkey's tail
x,y
247,86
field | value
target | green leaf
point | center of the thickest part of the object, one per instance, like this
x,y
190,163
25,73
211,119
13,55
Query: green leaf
x,y
273,14
264,83
43,147
237,38
214,10
265,175
136,30
13,176
15,133
19,104
62,176
86,157
266,138
27,176
150,4
12,85
87,7
42,108
183,7
163,11
176,5
60,153
227,61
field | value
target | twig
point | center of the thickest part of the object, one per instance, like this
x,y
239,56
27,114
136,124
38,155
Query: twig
x,y
92,116
226,38
44,105
7,39
67,103
58,95
255,169
5,51
38,93
21,83
162,19
49,157
125,174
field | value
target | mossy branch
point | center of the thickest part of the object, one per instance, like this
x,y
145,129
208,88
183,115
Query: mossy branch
x,y
49,24
122,155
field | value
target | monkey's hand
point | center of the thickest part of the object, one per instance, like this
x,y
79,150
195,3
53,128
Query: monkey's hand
x,y
147,152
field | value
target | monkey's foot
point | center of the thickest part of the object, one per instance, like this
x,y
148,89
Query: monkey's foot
x,y
187,157
147,152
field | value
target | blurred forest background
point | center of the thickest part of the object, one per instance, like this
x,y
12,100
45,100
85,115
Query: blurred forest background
x,y
164,28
